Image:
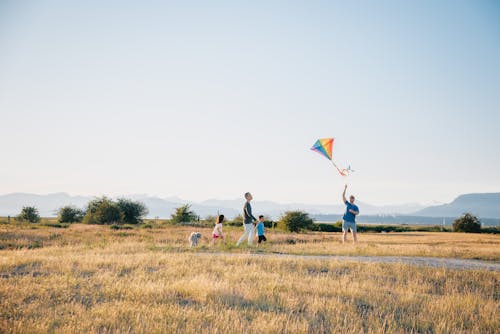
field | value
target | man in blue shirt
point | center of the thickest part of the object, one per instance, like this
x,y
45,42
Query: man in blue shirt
x,y
349,217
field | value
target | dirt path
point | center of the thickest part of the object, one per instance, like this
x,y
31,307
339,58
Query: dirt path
x,y
448,263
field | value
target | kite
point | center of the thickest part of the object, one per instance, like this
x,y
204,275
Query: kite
x,y
324,147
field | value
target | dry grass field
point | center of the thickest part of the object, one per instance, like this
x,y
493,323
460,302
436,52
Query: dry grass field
x,y
174,239
91,279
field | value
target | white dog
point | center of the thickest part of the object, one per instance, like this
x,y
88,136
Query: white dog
x,y
193,238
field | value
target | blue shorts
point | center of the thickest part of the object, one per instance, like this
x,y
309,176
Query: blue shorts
x,y
349,225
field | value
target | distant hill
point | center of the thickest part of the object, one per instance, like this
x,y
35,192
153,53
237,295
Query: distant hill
x,y
486,205
403,219
483,205
11,204
47,205
274,209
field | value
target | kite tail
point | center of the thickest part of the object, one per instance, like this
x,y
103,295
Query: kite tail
x,y
342,172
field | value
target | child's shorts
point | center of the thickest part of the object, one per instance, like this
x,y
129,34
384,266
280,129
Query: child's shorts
x,y
262,238
215,236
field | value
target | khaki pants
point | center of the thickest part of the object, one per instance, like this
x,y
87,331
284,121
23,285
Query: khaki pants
x,y
248,234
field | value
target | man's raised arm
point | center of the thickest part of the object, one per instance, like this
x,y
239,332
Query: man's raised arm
x,y
343,194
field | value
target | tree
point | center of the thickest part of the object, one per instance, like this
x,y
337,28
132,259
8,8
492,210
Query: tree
x,y
467,223
103,211
92,206
183,214
30,214
70,214
108,213
133,211
295,221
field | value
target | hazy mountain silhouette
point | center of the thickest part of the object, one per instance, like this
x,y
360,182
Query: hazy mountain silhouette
x,y
485,205
274,209
11,204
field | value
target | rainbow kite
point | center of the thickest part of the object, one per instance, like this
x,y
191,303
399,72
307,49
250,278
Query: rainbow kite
x,y
324,147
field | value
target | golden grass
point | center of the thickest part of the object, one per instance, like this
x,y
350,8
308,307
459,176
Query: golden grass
x,y
170,238
89,279
432,244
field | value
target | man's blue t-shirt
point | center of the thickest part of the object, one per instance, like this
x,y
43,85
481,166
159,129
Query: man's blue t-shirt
x,y
260,228
349,216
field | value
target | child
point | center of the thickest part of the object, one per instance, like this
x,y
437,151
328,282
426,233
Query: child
x,y
217,233
260,230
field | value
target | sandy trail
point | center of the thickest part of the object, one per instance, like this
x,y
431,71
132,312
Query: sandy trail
x,y
447,263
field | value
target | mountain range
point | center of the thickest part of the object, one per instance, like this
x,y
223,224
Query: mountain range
x,y
485,205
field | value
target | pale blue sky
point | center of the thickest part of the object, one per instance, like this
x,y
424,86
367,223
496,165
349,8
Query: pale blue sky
x,y
211,99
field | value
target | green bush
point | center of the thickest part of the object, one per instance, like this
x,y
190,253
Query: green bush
x,y
383,228
210,219
183,215
133,212
268,223
106,211
491,229
237,221
109,213
29,214
337,227
103,211
92,207
295,221
321,227
121,227
467,223
70,214
57,225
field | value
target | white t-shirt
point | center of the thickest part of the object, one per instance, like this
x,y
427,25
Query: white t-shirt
x,y
218,229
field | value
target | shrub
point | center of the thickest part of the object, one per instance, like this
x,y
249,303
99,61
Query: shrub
x,y
238,220
268,223
56,225
133,212
491,229
103,211
183,215
322,227
108,213
210,219
467,223
30,214
70,214
120,227
295,221
92,207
